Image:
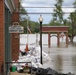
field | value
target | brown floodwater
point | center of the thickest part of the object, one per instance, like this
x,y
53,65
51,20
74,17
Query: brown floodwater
x,y
63,59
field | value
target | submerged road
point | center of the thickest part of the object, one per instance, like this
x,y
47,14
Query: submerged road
x,y
62,59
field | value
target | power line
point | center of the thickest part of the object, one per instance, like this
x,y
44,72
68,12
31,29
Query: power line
x,y
48,7
44,13
47,12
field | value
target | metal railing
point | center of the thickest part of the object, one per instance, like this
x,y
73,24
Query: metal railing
x,y
8,66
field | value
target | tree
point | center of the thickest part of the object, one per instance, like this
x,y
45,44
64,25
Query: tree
x,y
25,21
74,4
22,13
58,13
23,17
71,22
73,14
34,27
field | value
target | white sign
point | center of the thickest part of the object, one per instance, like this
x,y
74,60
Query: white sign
x,y
16,29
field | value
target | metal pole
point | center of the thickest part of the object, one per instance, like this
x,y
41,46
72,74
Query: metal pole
x,y
41,40
72,27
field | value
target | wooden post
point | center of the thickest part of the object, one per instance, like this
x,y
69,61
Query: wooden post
x,y
49,39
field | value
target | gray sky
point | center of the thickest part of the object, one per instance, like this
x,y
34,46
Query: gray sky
x,y
45,3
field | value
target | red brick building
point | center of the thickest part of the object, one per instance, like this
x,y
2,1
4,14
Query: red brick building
x,y
9,44
15,37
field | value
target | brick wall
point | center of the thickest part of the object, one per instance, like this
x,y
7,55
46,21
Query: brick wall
x,y
15,40
15,46
1,33
15,37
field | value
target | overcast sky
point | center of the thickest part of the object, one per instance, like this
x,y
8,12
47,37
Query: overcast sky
x,y
45,3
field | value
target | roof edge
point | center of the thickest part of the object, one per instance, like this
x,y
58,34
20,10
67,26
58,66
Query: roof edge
x,y
10,5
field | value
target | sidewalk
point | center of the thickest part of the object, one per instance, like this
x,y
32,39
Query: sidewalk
x,y
16,73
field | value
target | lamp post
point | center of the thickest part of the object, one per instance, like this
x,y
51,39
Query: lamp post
x,y
41,20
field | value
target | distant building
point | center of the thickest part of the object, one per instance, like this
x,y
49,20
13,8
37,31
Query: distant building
x,y
9,43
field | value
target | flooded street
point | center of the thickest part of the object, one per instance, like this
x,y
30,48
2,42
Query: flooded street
x,y
63,59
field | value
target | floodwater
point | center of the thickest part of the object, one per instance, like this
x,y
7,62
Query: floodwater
x,y
63,59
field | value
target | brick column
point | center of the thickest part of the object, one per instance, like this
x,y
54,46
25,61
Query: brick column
x,y
15,46
15,36
58,40
1,33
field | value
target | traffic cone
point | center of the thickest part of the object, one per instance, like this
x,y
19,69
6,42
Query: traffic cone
x,y
26,50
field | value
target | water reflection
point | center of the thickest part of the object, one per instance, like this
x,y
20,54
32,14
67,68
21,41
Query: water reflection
x,y
58,63
64,59
74,63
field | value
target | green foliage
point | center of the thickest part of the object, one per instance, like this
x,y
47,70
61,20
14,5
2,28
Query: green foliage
x,y
72,17
58,19
74,4
34,26
54,23
23,13
58,13
24,24
24,21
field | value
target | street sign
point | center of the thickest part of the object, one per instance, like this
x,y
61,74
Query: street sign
x,y
16,29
